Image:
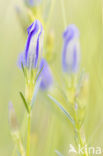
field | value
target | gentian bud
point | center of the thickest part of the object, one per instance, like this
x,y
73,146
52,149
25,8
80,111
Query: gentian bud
x,y
45,75
71,50
34,46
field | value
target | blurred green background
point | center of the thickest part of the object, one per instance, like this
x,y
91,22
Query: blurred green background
x,y
50,129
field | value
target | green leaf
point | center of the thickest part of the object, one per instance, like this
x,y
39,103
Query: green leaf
x,y
62,108
58,153
37,86
23,69
39,73
24,101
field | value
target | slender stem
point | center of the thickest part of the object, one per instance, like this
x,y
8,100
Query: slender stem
x,y
63,13
18,142
28,136
50,15
21,147
102,10
82,144
80,139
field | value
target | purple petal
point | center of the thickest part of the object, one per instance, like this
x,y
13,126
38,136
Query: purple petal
x,y
71,49
75,60
70,32
32,30
37,47
32,3
45,75
20,60
32,49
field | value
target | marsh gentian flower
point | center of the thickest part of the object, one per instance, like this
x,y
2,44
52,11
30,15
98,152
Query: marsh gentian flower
x,y
32,2
45,75
31,57
71,50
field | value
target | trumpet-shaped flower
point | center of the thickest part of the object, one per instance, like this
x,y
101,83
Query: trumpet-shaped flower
x,y
31,57
45,75
71,50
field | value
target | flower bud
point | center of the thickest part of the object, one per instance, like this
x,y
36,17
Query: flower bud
x,y
71,50
31,57
32,3
45,75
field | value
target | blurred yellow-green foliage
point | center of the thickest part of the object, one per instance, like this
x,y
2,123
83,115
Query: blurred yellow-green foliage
x,y
50,129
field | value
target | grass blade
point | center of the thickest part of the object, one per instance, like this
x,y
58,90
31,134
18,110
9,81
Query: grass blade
x,y
58,153
62,108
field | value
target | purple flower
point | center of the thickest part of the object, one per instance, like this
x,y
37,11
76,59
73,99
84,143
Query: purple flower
x,y
32,2
34,46
71,50
21,60
45,75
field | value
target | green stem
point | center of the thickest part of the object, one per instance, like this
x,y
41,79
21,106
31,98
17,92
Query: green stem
x,y
28,136
80,139
63,13
49,16
18,142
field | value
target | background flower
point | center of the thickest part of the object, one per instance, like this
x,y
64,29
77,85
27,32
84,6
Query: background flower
x,y
45,75
71,49
32,2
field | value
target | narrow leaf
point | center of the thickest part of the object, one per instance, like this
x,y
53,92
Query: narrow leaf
x,y
62,108
37,86
58,153
24,101
39,73
23,69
